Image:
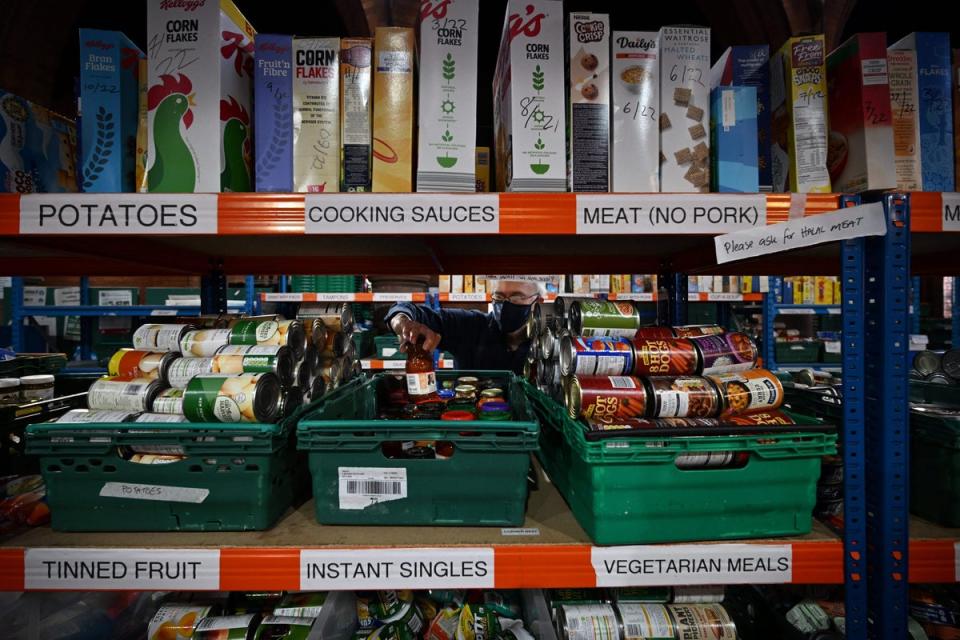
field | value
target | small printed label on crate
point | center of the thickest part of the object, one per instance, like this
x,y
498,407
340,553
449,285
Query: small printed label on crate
x,y
669,213
392,297
833,347
163,312
417,568
157,492
464,297
118,213
34,296
805,311
724,297
951,211
361,487
692,564
520,531
375,213
140,569
283,297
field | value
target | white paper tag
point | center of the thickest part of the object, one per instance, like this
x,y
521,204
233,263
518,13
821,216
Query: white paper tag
x,y
393,297
420,568
834,311
6,281
729,110
874,71
669,213
466,297
379,213
282,297
118,213
692,564
852,222
636,297
156,492
140,569
115,298
361,487
520,531
383,364
724,297
951,211
798,206
833,347
66,296
805,311
34,296
163,312
389,351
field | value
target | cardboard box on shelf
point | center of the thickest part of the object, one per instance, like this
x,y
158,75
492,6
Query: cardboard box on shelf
x,y
746,284
45,162
468,283
356,114
734,163
809,290
482,164
636,105
588,118
273,117
905,116
456,283
316,108
393,110
443,283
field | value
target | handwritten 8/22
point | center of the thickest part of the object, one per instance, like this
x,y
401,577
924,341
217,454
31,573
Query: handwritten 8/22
x,y
542,121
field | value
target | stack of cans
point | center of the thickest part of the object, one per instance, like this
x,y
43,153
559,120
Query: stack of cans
x,y
332,353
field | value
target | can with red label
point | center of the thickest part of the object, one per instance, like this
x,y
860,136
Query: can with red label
x,y
694,330
760,419
607,398
595,356
665,357
654,332
753,391
684,397
725,353
136,363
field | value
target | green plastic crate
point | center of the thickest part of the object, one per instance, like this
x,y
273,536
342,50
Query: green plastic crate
x,y
629,491
364,342
789,352
935,468
484,482
248,471
388,347
923,392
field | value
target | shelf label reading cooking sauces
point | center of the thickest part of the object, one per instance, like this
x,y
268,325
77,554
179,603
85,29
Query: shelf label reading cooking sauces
x,y
951,211
669,213
420,568
147,569
416,214
118,213
631,566
844,224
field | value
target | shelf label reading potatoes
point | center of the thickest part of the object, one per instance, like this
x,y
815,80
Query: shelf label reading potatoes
x,y
140,569
119,213
383,213
655,213
951,211
415,568
658,565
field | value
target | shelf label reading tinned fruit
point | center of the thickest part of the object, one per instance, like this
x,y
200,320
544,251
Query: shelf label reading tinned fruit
x,y
139,569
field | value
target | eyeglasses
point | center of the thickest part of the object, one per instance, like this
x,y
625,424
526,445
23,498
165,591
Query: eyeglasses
x,y
514,298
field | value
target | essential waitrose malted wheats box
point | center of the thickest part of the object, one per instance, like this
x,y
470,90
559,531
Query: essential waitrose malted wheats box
x,y
636,109
316,115
529,97
588,121
356,114
393,110
448,95
200,73
685,109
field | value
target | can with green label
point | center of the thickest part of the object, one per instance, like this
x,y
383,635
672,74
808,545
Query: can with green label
x,y
284,628
604,318
245,397
169,401
288,333
244,358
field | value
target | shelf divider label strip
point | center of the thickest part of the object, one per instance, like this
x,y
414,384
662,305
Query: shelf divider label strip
x,y
414,568
655,213
415,213
119,213
148,569
950,207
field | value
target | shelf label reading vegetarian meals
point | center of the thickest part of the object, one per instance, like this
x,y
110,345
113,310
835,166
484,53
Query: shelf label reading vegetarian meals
x,y
655,213
115,569
113,213
843,224
386,213
414,568
951,211
692,564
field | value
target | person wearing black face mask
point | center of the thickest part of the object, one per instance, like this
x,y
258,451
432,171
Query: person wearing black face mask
x,y
492,341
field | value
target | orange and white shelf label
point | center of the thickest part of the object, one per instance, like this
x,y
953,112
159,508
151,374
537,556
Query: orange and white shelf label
x,y
951,211
655,213
146,569
415,213
118,213
464,297
416,568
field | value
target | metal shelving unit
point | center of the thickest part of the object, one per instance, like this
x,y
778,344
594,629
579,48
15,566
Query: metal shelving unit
x,y
774,306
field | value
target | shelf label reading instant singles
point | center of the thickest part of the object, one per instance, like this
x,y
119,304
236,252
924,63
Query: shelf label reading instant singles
x,y
110,213
650,213
951,211
140,569
843,224
692,564
419,568
385,213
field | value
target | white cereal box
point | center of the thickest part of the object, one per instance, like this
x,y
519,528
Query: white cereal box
x,y
636,108
588,121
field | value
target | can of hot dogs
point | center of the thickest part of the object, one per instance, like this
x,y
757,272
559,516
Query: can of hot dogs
x,y
665,357
596,356
607,398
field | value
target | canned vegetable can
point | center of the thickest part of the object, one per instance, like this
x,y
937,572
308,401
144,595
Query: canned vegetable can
x,y
646,622
225,628
548,344
595,356
287,333
703,622
927,362
665,357
725,353
283,628
203,343
319,387
607,398
336,316
276,359
604,318
335,346
291,400
139,363
169,401
246,397
684,397
587,622
183,370
160,337
123,394
175,621
756,390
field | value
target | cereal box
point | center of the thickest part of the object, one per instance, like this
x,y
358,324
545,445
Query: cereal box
x,y
273,95
393,110
316,114
588,119
934,107
734,165
684,109
860,151
448,95
108,111
356,114
529,97
636,105
482,169
200,75
141,168
443,283
798,97
38,148
902,77
749,66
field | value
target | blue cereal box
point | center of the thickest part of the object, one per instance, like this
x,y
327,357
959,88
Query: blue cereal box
x,y
273,95
733,140
38,148
108,111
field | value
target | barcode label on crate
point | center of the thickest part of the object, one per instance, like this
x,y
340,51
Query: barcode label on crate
x,y
622,382
361,487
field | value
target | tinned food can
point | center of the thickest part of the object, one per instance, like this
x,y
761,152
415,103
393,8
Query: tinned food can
x,y
336,316
315,331
654,332
176,621
311,356
760,419
123,394
330,371
290,401
287,333
927,362
240,358
226,628
711,459
320,387
695,330
587,622
246,397
169,401
726,352
703,622
160,337
604,318
665,357
756,390
595,356
139,363
203,343
607,398
561,308
334,347
549,344
183,370
684,397
646,622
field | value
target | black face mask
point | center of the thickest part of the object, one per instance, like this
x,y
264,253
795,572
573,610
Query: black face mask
x,y
510,316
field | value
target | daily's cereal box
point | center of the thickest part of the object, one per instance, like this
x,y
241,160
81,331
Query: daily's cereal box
x,y
588,119
393,110
636,105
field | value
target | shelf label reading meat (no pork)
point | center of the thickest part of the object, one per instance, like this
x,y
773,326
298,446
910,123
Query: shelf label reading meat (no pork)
x,y
383,213
415,568
114,569
951,212
118,213
692,564
669,213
